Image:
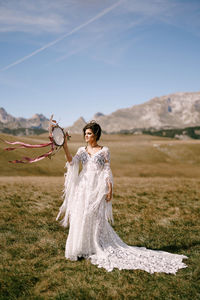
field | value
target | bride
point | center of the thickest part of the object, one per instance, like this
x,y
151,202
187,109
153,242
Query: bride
x,y
87,208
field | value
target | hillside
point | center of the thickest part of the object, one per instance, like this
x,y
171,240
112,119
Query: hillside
x,y
131,155
174,111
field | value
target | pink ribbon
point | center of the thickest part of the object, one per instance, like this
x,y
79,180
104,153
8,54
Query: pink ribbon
x,y
24,145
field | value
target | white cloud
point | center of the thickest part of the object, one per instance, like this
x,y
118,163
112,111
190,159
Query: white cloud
x,y
30,17
74,30
62,18
57,17
50,16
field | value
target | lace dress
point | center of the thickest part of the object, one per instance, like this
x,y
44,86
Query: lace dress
x,y
90,234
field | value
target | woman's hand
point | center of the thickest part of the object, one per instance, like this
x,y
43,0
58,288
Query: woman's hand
x,y
109,196
65,147
66,138
52,124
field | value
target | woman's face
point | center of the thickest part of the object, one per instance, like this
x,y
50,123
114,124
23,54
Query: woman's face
x,y
89,136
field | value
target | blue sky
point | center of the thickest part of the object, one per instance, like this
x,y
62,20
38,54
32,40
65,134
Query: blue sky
x,y
75,58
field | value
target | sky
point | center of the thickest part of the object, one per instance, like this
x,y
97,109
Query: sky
x,y
74,58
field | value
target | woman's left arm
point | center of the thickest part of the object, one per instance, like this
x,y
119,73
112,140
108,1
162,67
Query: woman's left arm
x,y
109,181
109,194
109,177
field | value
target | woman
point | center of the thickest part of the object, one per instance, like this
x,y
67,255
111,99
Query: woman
x,y
87,207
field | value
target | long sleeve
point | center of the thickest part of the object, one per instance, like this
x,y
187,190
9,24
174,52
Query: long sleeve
x,y
71,177
107,169
108,178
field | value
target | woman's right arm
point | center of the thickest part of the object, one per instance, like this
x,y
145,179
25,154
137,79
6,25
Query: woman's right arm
x,y
65,147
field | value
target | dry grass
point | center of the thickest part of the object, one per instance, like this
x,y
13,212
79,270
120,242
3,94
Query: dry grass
x,y
134,156
158,213
156,205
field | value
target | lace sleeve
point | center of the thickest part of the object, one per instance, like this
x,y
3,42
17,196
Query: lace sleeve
x,y
71,177
107,169
108,178
76,158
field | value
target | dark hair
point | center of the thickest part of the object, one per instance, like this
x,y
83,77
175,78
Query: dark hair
x,y
96,129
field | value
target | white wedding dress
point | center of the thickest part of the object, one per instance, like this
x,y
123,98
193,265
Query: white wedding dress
x,y
87,212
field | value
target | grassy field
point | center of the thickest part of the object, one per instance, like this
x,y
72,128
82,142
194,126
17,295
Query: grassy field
x,y
132,156
156,204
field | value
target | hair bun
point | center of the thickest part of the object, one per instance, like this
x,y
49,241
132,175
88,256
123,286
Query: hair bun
x,y
95,127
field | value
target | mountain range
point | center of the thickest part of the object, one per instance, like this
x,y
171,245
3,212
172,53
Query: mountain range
x,y
37,124
178,110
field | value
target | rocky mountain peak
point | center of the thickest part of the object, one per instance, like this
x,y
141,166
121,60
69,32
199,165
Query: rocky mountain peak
x,y
178,110
38,116
37,121
2,110
4,116
77,126
97,115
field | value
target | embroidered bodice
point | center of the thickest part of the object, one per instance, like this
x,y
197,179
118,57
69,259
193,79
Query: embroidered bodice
x,y
100,161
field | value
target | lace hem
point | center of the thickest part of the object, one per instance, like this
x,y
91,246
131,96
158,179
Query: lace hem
x,y
132,262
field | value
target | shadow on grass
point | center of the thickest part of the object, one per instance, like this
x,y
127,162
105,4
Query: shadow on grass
x,y
180,247
172,248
